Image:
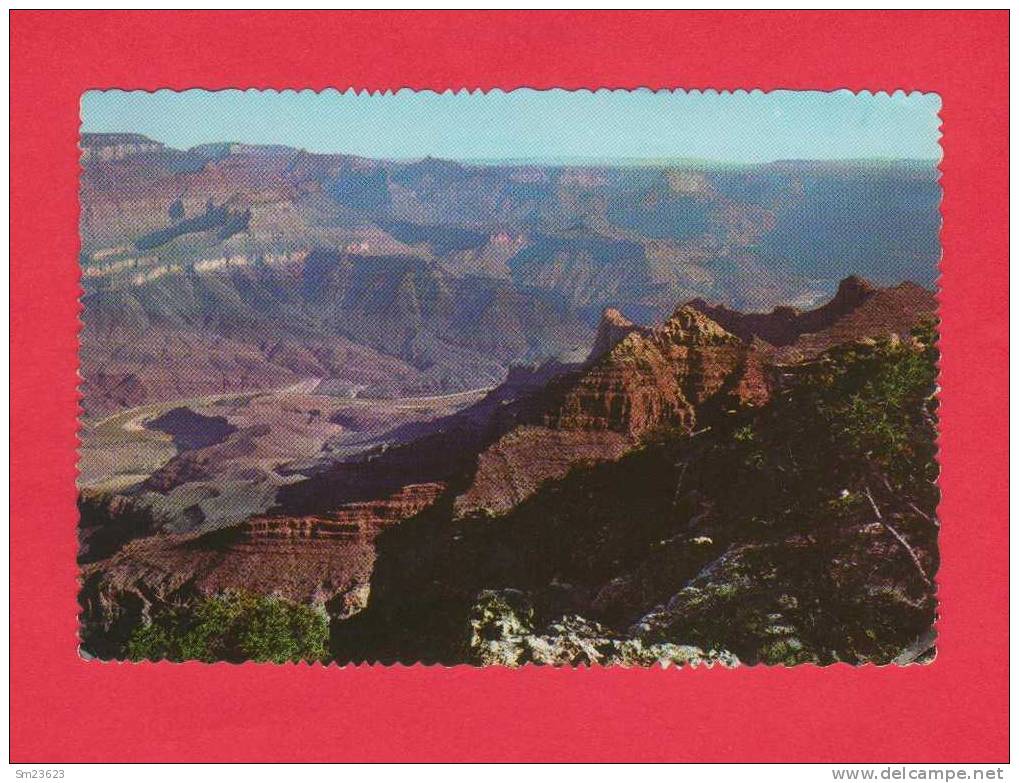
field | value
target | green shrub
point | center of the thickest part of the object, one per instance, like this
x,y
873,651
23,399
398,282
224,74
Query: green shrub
x,y
233,627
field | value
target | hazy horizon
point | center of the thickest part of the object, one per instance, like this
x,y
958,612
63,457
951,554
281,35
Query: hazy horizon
x,y
571,160
525,126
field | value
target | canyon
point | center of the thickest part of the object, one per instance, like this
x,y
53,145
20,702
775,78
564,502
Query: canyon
x,y
229,267
485,413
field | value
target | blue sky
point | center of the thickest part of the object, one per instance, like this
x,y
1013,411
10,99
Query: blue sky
x,y
536,125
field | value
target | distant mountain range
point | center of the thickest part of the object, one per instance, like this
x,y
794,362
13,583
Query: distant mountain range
x,y
699,163
264,265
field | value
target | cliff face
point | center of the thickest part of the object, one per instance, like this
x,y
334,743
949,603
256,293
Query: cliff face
x,y
316,559
651,379
612,329
645,380
352,521
116,146
883,312
641,380
516,466
783,325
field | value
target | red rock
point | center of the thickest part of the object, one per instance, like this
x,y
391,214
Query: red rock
x,y
352,521
326,559
613,328
882,313
783,325
651,378
514,467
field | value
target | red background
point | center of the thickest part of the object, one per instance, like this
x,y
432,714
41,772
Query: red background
x,y
64,709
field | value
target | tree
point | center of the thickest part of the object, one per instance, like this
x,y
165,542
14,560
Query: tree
x,y
235,627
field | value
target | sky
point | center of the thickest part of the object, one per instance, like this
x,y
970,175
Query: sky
x,y
739,127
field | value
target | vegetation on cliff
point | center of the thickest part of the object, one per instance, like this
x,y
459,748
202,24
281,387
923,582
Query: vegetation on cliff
x,y
233,627
802,531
